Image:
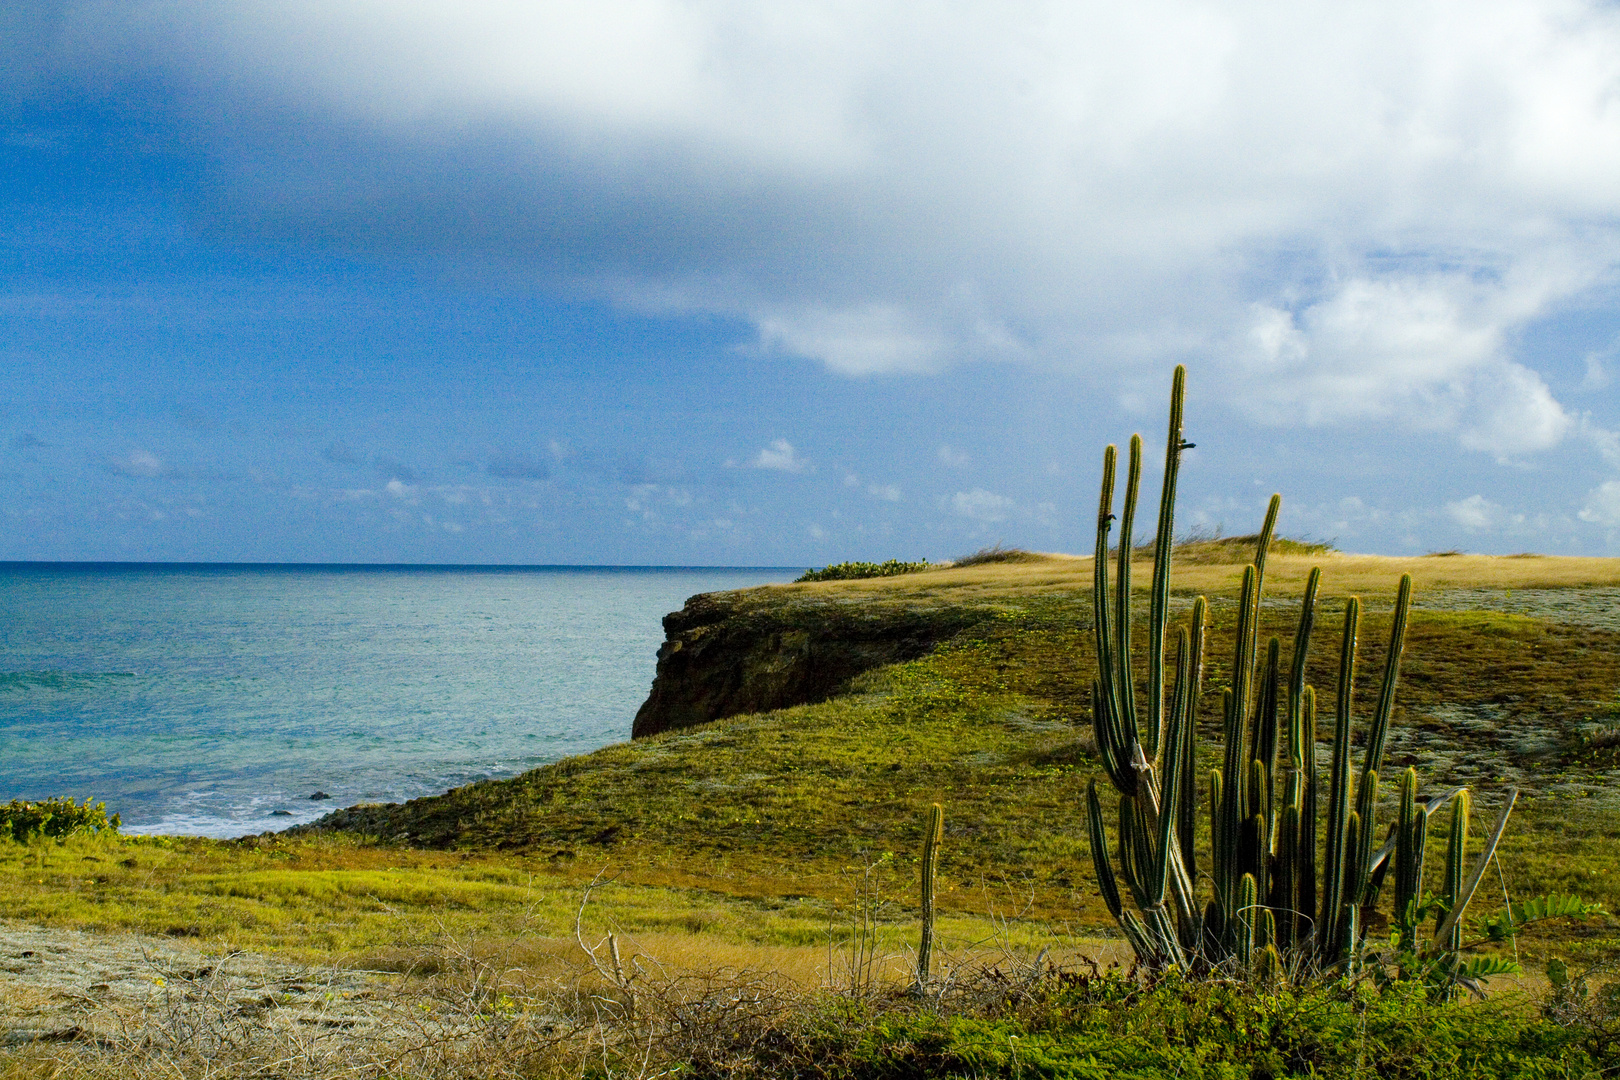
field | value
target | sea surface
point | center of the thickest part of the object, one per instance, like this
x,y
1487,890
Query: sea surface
x,y
202,699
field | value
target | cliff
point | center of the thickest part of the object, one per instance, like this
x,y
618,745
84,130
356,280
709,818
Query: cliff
x,y
753,650
760,649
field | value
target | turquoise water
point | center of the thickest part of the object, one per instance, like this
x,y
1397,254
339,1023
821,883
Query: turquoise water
x,y
202,699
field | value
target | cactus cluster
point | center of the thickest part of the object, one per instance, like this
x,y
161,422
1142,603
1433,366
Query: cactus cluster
x,y
1291,876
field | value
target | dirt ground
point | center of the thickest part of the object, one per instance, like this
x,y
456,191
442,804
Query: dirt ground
x,y
68,985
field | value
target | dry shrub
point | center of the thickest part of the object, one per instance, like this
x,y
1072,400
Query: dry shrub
x,y
996,554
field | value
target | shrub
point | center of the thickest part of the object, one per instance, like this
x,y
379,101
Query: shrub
x,y
59,817
996,554
850,571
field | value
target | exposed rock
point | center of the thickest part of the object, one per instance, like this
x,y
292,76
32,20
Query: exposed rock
x,y
756,650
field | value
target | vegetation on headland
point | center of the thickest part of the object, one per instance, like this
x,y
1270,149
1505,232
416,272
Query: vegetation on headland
x,y
749,845
850,571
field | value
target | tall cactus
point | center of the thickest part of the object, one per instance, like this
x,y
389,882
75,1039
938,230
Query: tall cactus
x,y
930,863
1279,901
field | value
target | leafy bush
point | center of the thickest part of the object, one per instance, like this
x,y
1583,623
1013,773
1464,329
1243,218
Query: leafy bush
x,y
24,821
850,571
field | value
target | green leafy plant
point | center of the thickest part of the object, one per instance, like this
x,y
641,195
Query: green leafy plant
x,y
58,817
1293,876
849,571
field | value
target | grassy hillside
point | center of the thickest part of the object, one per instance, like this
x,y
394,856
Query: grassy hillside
x,y
992,725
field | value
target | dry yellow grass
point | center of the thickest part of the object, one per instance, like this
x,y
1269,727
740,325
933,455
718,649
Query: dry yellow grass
x,y
1342,574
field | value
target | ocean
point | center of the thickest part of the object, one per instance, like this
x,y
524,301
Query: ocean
x,y
215,700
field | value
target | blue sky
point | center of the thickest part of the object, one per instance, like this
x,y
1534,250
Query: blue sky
x,y
717,283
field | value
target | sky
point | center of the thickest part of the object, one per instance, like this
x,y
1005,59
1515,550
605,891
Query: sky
x,y
717,283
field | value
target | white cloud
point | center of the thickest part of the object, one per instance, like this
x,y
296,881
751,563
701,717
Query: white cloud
x,y
869,340
981,505
1603,505
1426,351
1597,369
1401,186
1479,514
953,458
405,493
137,463
780,455
886,492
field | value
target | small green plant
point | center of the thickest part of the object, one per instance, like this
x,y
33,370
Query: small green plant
x,y
23,821
1279,907
850,571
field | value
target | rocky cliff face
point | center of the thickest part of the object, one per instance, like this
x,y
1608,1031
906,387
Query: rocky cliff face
x,y
755,650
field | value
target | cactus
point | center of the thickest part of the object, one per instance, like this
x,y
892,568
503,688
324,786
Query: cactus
x,y
1279,904
930,862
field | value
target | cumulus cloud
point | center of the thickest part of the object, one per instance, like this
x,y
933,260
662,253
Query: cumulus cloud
x,y
1479,514
1603,505
1427,351
1355,208
137,463
876,339
781,456
981,505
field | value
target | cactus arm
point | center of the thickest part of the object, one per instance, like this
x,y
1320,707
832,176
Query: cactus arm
x,y
1230,809
1305,902
1235,766
1408,860
1296,676
1219,843
1338,806
1104,735
1175,743
1102,623
1392,671
1243,660
1366,811
1265,731
1247,915
1124,683
1451,928
1119,751
1359,891
1164,541
1099,855
1285,876
1188,809
1264,544
1448,931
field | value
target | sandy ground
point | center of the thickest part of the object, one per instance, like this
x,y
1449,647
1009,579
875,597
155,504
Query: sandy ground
x,y
67,985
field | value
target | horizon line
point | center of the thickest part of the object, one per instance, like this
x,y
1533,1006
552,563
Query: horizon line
x,y
390,565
